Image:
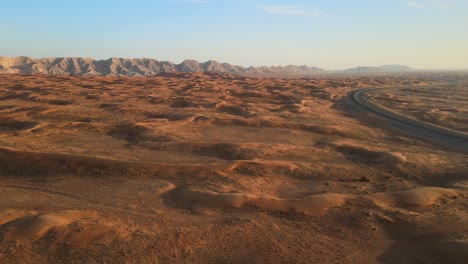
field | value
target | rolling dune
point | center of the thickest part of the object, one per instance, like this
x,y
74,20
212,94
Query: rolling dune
x,y
217,168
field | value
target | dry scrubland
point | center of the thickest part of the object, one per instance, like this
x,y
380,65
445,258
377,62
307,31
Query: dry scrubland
x,y
209,168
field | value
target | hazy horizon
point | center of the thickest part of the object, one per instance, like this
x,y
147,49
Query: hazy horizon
x,y
333,35
247,66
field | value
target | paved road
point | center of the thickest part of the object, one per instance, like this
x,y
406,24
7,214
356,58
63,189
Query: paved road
x,y
443,137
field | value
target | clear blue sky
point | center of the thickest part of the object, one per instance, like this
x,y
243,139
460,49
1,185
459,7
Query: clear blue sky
x,y
331,34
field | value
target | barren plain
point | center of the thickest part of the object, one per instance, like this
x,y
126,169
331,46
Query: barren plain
x,y
218,168
442,105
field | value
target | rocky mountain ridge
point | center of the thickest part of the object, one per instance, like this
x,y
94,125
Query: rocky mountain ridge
x,y
137,67
380,69
148,67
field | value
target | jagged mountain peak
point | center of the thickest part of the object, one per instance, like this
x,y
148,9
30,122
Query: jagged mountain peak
x,y
136,67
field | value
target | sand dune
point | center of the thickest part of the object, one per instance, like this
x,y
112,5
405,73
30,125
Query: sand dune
x,y
359,152
418,197
34,227
76,229
314,204
218,168
307,206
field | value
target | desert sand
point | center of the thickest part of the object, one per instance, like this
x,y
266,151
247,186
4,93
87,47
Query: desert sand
x,y
442,105
218,168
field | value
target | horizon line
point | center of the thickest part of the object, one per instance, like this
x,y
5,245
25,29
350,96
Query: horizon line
x,y
251,66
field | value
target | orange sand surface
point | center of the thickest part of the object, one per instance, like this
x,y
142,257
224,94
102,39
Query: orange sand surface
x,y
218,168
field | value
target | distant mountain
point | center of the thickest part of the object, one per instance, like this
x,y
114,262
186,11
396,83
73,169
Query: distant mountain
x,y
380,69
137,67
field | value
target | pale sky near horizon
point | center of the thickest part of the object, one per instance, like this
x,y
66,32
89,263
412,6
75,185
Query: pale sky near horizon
x,y
331,34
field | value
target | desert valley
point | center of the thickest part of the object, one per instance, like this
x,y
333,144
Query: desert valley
x,y
234,132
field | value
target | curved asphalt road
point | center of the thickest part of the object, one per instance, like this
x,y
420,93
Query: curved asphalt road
x,y
447,138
